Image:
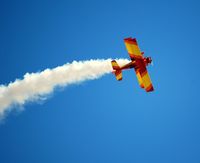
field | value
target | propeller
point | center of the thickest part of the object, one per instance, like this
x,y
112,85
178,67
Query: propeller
x,y
152,63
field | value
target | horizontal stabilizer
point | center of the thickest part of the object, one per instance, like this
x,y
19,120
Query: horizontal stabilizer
x,y
118,75
115,65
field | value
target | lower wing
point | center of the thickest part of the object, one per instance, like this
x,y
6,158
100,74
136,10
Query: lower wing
x,y
144,78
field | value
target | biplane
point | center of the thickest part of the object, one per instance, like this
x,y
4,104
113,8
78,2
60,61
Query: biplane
x,y
138,62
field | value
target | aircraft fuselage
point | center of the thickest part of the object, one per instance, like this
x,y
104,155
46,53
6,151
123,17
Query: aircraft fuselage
x,y
136,63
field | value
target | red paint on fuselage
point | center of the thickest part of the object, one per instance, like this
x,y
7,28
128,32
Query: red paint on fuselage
x,y
137,63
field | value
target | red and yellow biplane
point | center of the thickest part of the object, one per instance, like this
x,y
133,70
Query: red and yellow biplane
x,y
138,62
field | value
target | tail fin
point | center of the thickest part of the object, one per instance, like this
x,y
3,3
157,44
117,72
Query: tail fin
x,y
117,70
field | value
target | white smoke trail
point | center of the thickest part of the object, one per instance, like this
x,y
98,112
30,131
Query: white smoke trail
x,y
35,86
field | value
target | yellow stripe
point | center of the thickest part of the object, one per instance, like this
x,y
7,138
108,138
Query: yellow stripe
x,y
119,76
133,49
139,79
114,64
146,80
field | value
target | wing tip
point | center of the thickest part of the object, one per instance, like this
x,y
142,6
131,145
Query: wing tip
x,y
131,40
150,89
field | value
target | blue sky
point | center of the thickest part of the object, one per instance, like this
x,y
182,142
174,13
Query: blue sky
x,y
103,120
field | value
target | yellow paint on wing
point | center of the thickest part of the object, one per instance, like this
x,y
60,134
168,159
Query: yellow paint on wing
x,y
146,80
133,49
139,79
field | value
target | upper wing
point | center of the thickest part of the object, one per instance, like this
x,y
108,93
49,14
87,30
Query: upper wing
x,y
143,77
133,48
